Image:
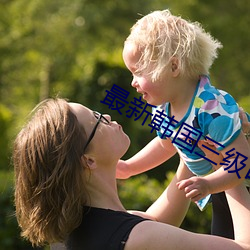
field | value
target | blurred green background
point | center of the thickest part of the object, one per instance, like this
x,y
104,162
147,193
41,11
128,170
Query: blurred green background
x,y
72,48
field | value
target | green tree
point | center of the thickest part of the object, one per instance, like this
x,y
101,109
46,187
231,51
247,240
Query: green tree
x,y
73,48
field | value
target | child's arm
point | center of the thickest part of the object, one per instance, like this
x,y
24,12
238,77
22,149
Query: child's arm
x,y
220,180
153,154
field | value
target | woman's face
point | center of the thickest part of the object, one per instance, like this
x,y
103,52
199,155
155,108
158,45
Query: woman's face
x,y
109,139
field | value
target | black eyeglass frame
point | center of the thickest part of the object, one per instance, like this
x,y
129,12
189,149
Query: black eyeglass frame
x,y
100,118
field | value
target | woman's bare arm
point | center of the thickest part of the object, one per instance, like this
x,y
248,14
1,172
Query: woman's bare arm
x,y
160,236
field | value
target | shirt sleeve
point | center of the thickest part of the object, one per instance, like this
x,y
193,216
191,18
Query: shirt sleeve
x,y
219,119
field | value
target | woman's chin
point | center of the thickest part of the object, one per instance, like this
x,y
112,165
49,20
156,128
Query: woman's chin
x,y
126,145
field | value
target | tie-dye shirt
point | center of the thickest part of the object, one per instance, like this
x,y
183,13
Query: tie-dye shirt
x,y
212,113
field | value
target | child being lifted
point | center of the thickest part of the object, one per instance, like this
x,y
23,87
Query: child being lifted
x,y
170,58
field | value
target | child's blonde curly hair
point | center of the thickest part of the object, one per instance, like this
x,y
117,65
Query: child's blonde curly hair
x,y
161,36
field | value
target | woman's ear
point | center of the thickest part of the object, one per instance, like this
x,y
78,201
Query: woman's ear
x,y
89,161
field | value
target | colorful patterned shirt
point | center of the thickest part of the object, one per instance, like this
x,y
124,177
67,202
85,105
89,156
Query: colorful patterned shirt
x,y
213,114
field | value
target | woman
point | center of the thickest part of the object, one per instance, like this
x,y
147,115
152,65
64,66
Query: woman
x,y
65,188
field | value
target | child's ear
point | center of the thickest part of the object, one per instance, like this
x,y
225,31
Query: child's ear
x,y
175,66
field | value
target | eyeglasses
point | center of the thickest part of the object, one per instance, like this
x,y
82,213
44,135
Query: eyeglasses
x,y
100,118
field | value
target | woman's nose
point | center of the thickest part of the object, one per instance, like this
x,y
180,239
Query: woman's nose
x,y
108,117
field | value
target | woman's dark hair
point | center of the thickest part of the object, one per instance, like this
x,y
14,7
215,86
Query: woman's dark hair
x,y
49,180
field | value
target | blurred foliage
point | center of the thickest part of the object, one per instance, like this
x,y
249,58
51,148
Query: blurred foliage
x,y
244,102
5,124
72,48
139,192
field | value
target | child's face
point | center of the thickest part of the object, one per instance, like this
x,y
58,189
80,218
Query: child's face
x,y
152,92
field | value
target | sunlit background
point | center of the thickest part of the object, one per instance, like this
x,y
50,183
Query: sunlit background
x,y
72,48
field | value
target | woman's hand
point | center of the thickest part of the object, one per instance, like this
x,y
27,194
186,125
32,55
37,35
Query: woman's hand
x,y
245,123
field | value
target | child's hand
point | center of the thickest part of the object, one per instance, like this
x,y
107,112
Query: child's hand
x,y
122,170
194,187
198,187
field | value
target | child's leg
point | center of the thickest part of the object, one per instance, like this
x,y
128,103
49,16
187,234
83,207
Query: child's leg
x,y
222,224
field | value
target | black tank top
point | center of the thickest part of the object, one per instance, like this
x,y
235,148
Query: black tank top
x,y
102,229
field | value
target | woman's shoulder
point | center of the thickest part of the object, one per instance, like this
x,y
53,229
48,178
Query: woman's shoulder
x,y
110,227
